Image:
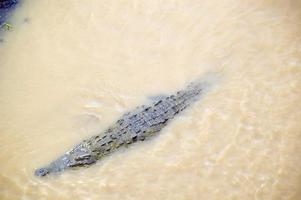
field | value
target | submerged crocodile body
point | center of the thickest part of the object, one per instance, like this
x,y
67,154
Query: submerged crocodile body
x,y
137,125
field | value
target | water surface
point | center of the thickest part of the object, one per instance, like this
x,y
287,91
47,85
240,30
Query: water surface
x,y
69,69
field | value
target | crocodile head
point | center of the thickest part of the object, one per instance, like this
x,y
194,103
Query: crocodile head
x,y
79,156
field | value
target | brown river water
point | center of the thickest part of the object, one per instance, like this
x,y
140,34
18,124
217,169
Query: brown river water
x,y
69,69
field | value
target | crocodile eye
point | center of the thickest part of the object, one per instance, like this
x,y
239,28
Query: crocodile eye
x,y
82,157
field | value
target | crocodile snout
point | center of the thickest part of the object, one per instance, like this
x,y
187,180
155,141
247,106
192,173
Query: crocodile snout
x,y
41,172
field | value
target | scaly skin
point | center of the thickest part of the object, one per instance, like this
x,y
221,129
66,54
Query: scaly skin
x,y
137,125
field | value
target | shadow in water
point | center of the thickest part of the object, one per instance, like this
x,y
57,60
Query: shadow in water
x,y
6,7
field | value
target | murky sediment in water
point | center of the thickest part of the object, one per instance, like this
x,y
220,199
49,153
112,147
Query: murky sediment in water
x,y
69,69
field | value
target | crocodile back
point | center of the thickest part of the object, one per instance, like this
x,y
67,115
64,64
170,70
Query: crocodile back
x,y
144,121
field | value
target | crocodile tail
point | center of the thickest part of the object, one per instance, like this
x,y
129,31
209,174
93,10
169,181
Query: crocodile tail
x,y
204,83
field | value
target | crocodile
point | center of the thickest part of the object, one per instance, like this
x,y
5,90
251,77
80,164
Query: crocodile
x,y
137,125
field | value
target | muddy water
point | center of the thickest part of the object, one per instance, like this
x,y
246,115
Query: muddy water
x,y
68,69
